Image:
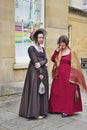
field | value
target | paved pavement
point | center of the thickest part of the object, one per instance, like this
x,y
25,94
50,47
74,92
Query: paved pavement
x,y
9,119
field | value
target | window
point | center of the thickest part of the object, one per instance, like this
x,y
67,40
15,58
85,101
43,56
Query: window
x,y
85,5
29,14
70,33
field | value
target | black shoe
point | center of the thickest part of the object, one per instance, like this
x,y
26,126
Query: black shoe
x,y
55,112
52,112
64,115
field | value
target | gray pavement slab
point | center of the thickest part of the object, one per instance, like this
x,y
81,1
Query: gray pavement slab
x,y
9,119
6,115
20,124
74,125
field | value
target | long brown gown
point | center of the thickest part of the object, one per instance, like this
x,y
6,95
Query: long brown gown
x,y
32,103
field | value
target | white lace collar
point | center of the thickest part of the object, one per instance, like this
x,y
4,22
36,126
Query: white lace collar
x,y
38,47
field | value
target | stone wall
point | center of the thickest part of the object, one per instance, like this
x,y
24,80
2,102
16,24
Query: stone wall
x,y
57,19
8,76
56,25
78,22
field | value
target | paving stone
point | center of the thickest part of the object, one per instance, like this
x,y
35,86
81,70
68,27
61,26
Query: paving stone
x,y
44,127
81,117
55,120
74,125
6,115
20,124
12,107
9,119
3,128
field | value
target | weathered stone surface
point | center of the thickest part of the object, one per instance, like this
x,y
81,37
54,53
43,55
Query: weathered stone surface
x,y
9,119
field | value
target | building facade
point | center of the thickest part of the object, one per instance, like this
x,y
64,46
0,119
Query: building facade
x,y
18,17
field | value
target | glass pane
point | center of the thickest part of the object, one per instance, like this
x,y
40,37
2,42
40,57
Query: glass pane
x,y
37,12
28,10
19,12
22,40
22,30
28,14
38,1
18,31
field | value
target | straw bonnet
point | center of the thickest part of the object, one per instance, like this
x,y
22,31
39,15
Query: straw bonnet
x,y
32,34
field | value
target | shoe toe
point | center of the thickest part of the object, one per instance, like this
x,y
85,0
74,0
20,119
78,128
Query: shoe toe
x,y
64,115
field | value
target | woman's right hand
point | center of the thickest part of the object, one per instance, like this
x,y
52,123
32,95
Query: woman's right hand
x,y
41,76
58,48
37,65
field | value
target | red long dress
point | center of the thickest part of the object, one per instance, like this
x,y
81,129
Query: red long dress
x,y
62,97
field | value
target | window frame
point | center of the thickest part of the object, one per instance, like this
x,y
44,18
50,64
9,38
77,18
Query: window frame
x,y
24,59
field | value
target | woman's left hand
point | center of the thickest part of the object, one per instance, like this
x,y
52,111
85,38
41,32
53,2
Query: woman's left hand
x,y
76,95
37,65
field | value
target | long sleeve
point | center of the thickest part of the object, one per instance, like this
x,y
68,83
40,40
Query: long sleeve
x,y
43,62
34,58
32,55
54,56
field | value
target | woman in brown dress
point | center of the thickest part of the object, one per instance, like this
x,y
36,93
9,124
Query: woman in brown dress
x,y
35,104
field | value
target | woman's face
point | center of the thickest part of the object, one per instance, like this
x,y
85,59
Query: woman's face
x,y
40,39
62,45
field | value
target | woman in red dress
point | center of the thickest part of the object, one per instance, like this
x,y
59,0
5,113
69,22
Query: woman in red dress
x,y
65,94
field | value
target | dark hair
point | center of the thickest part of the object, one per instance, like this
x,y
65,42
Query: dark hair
x,y
64,39
36,35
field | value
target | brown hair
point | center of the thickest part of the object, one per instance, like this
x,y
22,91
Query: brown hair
x,y
64,39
